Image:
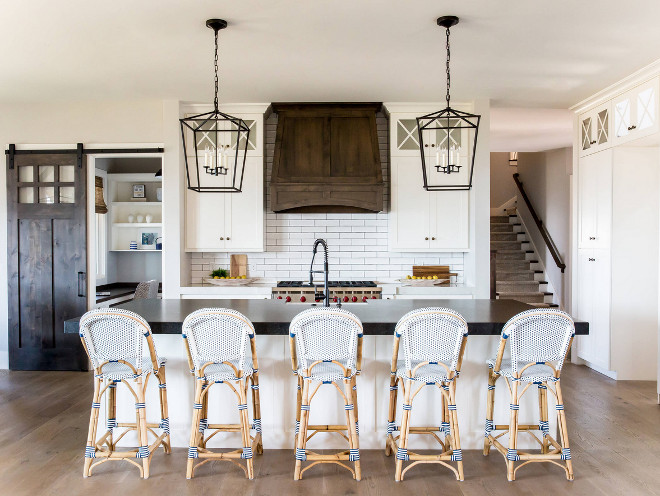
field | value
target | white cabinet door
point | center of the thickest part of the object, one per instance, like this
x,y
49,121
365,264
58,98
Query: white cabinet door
x,y
410,216
593,298
636,112
595,200
205,221
451,212
245,219
595,130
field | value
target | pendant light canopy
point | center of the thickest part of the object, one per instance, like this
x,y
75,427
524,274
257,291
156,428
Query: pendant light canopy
x,y
448,138
215,143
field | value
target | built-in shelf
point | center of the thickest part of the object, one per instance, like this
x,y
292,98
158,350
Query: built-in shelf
x,y
140,251
137,224
138,203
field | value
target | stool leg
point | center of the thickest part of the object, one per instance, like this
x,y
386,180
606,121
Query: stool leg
x,y
256,411
490,407
566,449
299,389
391,416
141,419
194,428
402,452
302,435
204,416
241,387
543,415
111,413
513,431
455,437
353,440
446,422
162,390
93,423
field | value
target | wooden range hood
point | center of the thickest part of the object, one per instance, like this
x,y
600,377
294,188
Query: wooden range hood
x,y
326,158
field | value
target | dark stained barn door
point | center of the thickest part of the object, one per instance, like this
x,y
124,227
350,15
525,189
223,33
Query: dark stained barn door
x,y
47,260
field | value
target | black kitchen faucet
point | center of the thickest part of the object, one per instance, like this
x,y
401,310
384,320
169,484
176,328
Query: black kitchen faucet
x,y
326,294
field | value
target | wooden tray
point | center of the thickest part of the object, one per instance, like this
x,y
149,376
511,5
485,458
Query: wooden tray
x,y
229,282
432,270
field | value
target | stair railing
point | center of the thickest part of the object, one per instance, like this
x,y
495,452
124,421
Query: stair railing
x,y
541,227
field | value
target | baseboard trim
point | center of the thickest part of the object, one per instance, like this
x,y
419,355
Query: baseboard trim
x,y
608,373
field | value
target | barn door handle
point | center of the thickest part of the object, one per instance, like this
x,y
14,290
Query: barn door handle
x,y
82,284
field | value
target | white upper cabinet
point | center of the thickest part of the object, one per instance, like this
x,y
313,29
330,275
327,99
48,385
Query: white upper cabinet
x,y
217,222
595,200
423,220
636,112
595,128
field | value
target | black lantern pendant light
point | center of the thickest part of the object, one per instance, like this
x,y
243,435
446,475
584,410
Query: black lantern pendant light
x,y
214,143
448,139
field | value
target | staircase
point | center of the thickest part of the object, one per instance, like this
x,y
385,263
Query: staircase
x,y
518,272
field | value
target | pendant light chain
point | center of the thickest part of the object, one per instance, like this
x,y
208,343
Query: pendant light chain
x,y
448,75
215,102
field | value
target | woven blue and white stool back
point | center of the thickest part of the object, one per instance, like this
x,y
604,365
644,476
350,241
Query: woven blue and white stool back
x,y
539,335
112,334
433,334
219,335
326,334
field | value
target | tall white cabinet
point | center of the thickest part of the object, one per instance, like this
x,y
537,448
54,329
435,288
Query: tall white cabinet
x,y
420,220
616,262
231,222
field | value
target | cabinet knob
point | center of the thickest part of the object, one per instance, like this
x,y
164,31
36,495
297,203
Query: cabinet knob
x,y
433,239
593,142
227,238
592,238
221,238
630,128
592,259
426,238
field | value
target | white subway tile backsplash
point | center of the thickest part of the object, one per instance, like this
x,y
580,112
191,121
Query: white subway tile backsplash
x,y
357,242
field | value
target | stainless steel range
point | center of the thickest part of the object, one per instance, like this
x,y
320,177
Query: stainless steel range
x,y
340,291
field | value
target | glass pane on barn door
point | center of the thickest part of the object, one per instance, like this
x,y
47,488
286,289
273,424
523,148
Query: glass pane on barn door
x,y
67,194
46,173
26,174
67,174
47,194
26,195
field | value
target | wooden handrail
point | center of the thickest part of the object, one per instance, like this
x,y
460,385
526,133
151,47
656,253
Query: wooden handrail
x,y
541,227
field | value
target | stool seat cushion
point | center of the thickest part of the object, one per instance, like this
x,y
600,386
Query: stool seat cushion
x,y
326,372
431,373
535,373
221,372
117,371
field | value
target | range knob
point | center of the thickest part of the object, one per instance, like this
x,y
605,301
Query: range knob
x,y
335,299
288,299
345,299
364,299
303,299
279,297
354,299
374,297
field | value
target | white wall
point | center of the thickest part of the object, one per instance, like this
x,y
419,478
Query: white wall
x,y
55,123
546,179
502,187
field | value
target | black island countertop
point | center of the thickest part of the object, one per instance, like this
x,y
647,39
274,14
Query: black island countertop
x,y
379,317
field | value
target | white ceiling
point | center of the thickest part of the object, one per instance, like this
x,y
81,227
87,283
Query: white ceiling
x,y
518,53
530,130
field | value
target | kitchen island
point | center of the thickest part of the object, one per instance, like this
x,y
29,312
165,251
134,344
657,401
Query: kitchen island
x,y
278,386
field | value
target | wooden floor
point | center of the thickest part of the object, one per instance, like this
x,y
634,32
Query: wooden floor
x,y
614,429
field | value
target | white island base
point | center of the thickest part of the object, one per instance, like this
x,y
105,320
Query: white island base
x,y
277,386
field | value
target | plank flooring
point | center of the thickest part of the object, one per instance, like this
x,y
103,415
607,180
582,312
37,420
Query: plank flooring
x,y
614,429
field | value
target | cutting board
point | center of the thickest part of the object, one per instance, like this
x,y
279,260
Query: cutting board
x,y
442,271
238,265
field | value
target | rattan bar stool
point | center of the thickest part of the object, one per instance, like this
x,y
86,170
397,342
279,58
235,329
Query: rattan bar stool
x,y
539,340
221,349
114,340
326,348
434,341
